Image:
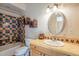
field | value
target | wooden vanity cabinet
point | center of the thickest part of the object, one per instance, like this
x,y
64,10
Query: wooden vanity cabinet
x,y
35,51
41,51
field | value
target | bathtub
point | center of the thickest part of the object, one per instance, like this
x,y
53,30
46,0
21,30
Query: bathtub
x,y
9,49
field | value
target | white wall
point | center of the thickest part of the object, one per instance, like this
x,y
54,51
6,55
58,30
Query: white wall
x,y
38,11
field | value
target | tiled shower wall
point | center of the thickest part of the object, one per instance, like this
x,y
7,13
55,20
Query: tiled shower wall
x,y
9,26
21,29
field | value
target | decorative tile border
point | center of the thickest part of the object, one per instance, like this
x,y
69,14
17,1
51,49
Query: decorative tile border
x,y
33,23
62,38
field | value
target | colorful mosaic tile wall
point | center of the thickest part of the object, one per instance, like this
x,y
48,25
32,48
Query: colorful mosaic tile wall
x,y
21,29
8,29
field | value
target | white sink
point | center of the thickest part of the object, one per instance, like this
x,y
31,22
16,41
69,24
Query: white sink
x,y
54,43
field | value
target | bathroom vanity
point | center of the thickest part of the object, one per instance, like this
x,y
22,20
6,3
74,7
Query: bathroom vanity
x,y
39,48
56,24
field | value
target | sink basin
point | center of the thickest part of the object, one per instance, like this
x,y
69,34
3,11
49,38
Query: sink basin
x,y
54,43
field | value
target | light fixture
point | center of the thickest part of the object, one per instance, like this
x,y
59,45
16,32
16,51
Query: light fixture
x,y
55,7
48,10
52,7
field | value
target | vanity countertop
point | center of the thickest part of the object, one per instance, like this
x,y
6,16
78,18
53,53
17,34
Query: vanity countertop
x,y
68,48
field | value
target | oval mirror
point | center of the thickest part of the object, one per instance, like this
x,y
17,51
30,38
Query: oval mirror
x,y
56,23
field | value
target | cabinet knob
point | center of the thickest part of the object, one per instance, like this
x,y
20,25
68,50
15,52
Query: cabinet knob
x,y
34,46
67,55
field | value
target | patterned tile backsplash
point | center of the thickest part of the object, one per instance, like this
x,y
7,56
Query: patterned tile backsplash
x,y
9,26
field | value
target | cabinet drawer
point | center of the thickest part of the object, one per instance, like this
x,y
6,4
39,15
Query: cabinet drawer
x,y
35,53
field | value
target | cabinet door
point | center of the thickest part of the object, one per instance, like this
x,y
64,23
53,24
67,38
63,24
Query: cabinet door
x,y
35,51
40,51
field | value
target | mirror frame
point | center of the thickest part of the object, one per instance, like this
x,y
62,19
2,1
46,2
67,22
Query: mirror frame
x,y
57,14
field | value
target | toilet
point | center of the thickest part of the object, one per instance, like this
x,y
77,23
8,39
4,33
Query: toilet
x,y
23,51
